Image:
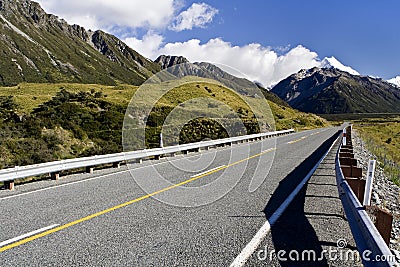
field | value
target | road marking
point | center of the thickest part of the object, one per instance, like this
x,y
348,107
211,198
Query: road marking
x,y
314,133
241,259
245,254
205,172
94,215
298,140
15,239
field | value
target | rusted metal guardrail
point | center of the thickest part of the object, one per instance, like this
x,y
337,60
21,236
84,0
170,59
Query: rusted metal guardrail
x,y
372,239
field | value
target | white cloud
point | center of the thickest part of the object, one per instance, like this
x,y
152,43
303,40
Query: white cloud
x,y
198,15
105,14
149,46
256,62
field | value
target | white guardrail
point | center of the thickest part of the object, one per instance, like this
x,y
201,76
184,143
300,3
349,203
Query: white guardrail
x,y
370,244
16,173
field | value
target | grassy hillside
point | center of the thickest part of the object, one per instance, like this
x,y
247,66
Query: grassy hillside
x,y
44,122
382,138
38,47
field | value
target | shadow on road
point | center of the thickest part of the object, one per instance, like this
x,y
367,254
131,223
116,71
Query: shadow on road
x,y
293,232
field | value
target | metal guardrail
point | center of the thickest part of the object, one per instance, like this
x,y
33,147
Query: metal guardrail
x,y
369,242
16,173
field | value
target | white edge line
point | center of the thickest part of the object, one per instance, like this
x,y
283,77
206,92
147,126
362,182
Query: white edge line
x,y
245,254
207,171
241,259
15,239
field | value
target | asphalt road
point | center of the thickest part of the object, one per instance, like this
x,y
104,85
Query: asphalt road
x,y
140,217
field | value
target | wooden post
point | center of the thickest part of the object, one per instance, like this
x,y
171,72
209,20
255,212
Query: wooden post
x,y
117,165
55,176
9,185
89,170
348,162
383,221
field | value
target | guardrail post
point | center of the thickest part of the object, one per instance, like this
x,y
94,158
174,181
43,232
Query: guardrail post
x,y
383,221
89,170
348,162
117,165
55,176
9,185
157,157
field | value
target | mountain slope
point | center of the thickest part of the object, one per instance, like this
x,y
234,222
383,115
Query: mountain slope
x,y
332,91
179,66
38,47
285,116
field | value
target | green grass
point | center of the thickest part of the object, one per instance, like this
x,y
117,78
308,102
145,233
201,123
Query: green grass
x,y
30,95
53,121
382,138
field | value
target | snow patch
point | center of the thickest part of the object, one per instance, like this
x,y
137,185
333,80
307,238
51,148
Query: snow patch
x,y
17,30
332,62
18,66
395,81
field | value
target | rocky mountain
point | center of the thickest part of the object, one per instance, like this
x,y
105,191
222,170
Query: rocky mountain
x,y
40,47
179,66
332,91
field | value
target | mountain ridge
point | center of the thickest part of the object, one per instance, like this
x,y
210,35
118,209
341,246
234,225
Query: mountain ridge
x,y
40,47
332,91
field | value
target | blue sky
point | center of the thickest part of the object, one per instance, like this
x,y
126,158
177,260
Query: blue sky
x,y
280,36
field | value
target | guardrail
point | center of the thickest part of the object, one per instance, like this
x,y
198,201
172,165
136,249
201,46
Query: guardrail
x,y
8,176
369,241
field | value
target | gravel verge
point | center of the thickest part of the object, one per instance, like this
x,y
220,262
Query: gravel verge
x,y
385,193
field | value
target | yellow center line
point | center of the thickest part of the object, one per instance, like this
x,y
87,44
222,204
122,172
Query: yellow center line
x,y
298,140
62,227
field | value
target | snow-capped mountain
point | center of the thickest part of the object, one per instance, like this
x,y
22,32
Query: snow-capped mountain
x,y
332,62
395,81
333,91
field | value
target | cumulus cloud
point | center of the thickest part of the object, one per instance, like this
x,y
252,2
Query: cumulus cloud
x,y
198,15
149,46
106,14
256,62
